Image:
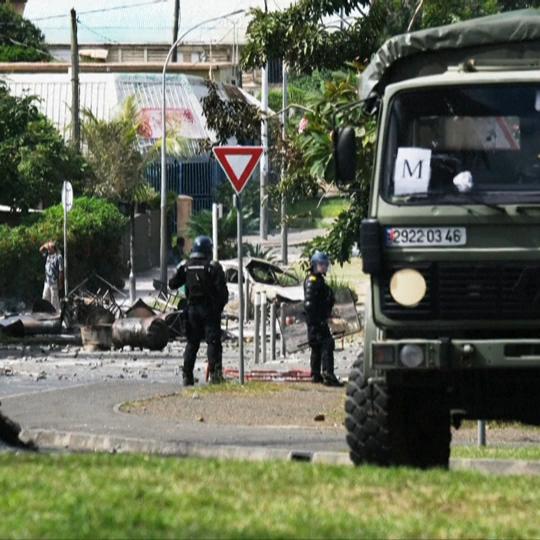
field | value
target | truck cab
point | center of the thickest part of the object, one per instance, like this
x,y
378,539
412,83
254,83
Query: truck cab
x,y
451,243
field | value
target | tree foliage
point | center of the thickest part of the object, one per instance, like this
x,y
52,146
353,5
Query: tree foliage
x,y
301,36
118,165
314,142
20,40
229,118
34,160
112,150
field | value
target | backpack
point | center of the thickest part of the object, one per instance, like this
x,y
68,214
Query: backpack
x,y
198,281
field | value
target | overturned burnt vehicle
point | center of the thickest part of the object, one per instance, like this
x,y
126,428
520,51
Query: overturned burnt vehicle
x,y
452,238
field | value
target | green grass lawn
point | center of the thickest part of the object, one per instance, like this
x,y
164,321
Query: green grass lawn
x,y
351,274
314,213
105,496
530,453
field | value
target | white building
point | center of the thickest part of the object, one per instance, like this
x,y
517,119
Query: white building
x,y
141,31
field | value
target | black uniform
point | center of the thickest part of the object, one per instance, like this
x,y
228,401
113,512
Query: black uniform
x,y
207,294
318,303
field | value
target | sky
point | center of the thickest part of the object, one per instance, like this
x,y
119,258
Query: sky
x,y
150,21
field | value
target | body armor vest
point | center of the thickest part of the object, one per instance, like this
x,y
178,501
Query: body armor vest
x,y
198,282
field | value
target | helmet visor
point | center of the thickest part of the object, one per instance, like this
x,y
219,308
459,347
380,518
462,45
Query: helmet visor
x,y
322,267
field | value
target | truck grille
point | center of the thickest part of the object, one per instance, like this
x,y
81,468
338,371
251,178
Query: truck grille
x,y
471,291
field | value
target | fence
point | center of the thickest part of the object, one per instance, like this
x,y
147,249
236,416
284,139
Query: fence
x,y
198,179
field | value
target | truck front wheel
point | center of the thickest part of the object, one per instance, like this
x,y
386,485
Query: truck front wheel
x,y
394,425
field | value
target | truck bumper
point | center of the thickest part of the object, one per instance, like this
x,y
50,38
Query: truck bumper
x,y
450,354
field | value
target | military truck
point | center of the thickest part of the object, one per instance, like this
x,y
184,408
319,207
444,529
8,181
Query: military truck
x,y
452,238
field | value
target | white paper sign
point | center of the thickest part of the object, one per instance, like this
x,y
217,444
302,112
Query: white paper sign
x,y
412,171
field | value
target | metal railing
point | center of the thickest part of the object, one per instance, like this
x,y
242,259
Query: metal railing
x,y
197,178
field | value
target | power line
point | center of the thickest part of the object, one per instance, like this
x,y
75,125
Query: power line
x,y
102,10
102,36
124,27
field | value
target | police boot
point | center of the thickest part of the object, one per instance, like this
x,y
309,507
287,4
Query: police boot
x,y
216,376
187,379
329,379
316,378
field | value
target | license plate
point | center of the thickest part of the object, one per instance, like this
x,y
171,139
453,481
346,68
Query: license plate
x,y
426,236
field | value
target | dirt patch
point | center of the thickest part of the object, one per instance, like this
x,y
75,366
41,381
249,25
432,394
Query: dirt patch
x,y
292,404
283,404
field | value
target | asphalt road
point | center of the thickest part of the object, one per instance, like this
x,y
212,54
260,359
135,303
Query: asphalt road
x,y
69,390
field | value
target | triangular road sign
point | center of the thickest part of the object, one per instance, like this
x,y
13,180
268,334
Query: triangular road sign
x,y
238,162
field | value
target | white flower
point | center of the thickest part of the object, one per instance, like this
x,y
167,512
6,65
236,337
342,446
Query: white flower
x,y
303,125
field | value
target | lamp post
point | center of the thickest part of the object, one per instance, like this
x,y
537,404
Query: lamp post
x,y
163,206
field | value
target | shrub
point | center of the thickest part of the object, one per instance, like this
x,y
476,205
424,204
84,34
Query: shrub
x,y
339,285
256,251
94,236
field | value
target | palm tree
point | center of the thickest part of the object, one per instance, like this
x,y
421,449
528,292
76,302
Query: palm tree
x,y
112,150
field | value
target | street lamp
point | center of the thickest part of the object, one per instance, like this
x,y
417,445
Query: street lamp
x,y
163,239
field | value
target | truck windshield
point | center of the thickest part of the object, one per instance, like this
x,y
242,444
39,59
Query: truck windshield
x,y
464,144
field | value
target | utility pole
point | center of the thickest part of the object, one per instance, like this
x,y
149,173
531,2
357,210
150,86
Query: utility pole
x,y
264,159
284,114
176,24
75,119
263,221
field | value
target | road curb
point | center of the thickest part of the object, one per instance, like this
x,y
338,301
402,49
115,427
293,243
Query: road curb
x,y
45,439
90,442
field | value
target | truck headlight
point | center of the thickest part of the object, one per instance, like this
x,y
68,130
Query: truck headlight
x,y
411,356
408,287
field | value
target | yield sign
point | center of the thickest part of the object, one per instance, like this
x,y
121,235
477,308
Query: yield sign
x,y
238,162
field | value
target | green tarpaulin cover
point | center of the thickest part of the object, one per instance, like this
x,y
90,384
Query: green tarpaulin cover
x,y
506,37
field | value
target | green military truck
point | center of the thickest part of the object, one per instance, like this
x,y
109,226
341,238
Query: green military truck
x,y
452,239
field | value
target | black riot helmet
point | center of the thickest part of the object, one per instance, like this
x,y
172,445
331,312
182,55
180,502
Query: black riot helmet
x,y
320,259
202,247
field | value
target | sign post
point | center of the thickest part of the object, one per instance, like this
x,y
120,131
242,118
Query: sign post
x,y
240,288
238,163
67,203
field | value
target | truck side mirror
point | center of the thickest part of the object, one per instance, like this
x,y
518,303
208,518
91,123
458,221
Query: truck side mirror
x,y
345,155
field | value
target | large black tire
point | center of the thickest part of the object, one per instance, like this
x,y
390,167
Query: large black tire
x,y
390,425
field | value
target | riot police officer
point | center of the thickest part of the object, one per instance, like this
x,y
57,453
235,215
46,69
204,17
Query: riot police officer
x,y
318,303
206,293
